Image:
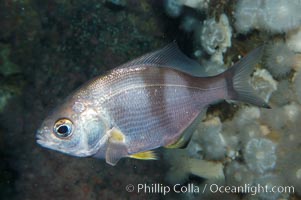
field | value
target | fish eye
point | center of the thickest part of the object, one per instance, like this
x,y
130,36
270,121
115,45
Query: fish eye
x,y
63,128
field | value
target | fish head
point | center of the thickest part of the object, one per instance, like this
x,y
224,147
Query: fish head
x,y
75,128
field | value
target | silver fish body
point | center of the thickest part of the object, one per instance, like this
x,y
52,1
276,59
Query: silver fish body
x,y
142,105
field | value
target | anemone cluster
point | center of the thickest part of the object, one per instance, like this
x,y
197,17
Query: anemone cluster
x,y
269,15
259,155
255,145
279,59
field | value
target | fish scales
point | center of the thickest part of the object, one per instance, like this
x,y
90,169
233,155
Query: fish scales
x,y
153,101
160,102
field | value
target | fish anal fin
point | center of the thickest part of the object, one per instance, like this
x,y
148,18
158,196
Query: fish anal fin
x,y
179,144
145,155
116,147
182,142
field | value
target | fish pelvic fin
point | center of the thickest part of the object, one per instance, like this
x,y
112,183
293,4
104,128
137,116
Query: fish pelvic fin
x,y
145,155
237,78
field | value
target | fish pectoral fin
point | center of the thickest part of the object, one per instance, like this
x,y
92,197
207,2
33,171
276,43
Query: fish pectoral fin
x,y
116,147
115,152
182,142
145,155
115,135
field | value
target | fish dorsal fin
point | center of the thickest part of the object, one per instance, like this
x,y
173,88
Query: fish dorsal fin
x,y
169,56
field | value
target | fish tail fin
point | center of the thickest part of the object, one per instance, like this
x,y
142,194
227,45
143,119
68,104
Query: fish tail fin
x,y
237,78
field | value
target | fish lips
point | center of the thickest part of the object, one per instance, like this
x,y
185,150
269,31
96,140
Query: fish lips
x,y
44,142
41,139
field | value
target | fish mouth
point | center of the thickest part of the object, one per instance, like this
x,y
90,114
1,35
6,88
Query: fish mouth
x,y
40,142
41,139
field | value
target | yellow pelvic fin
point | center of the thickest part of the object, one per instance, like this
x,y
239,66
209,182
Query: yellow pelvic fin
x,y
116,135
145,155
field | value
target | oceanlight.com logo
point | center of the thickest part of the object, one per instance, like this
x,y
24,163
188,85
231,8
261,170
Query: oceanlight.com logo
x,y
159,188
250,189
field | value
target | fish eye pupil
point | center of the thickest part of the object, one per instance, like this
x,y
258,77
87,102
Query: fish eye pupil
x,y
63,129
